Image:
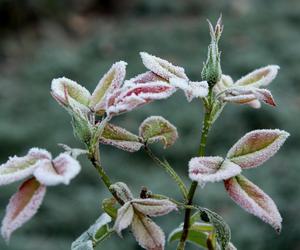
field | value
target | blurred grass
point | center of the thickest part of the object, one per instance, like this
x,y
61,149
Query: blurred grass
x,y
82,47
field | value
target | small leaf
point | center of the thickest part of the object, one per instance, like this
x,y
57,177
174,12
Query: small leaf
x,y
223,232
124,217
18,168
61,170
253,200
259,77
122,191
96,233
153,207
256,147
120,138
108,205
22,206
157,128
222,85
111,81
143,78
211,169
162,67
147,233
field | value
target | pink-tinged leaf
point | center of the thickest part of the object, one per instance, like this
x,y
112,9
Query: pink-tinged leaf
x,y
22,206
153,207
191,89
120,138
265,96
66,90
111,81
18,168
124,217
251,198
59,171
254,104
157,128
128,98
259,77
146,77
240,99
122,191
147,233
211,169
256,147
162,67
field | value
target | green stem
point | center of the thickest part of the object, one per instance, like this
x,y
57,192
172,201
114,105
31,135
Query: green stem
x,y
167,167
205,130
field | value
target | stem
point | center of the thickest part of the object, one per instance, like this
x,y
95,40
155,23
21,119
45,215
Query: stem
x,y
205,129
167,167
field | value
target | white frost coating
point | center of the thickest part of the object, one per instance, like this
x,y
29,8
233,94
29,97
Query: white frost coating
x,y
19,210
147,233
59,171
75,91
191,89
251,198
162,67
124,217
111,81
146,77
18,168
212,169
153,207
129,146
256,147
224,83
259,77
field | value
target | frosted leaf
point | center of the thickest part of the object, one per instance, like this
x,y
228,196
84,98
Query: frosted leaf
x,y
157,128
22,206
253,200
111,81
147,233
162,67
265,96
124,217
128,98
153,207
59,171
18,168
211,169
191,89
122,191
240,99
254,104
67,90
257,146
146,77
259,77
224,83
120,138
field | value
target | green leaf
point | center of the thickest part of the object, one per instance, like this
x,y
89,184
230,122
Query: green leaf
x,y
94,235
108,205
120,138
223,232
157,128
198,234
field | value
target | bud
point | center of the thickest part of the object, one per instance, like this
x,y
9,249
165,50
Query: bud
x,y
81,126
211,71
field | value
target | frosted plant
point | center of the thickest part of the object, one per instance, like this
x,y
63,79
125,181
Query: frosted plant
x,y
92,114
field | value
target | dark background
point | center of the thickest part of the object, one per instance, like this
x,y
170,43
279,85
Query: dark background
x,y
41,40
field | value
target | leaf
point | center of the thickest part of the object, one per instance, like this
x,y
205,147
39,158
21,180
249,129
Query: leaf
x,y
18,168
256,147
222,85
22,206
197,234
122,191
211,169
108,205
157,128
162,67
191,89
143,78
223,232
61,170
120,138
153,207
124,217
96,233
129,98
259,77
253,200
69,91
147,233
111,81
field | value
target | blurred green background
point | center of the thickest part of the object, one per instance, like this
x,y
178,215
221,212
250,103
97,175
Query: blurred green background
x,y
44,39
